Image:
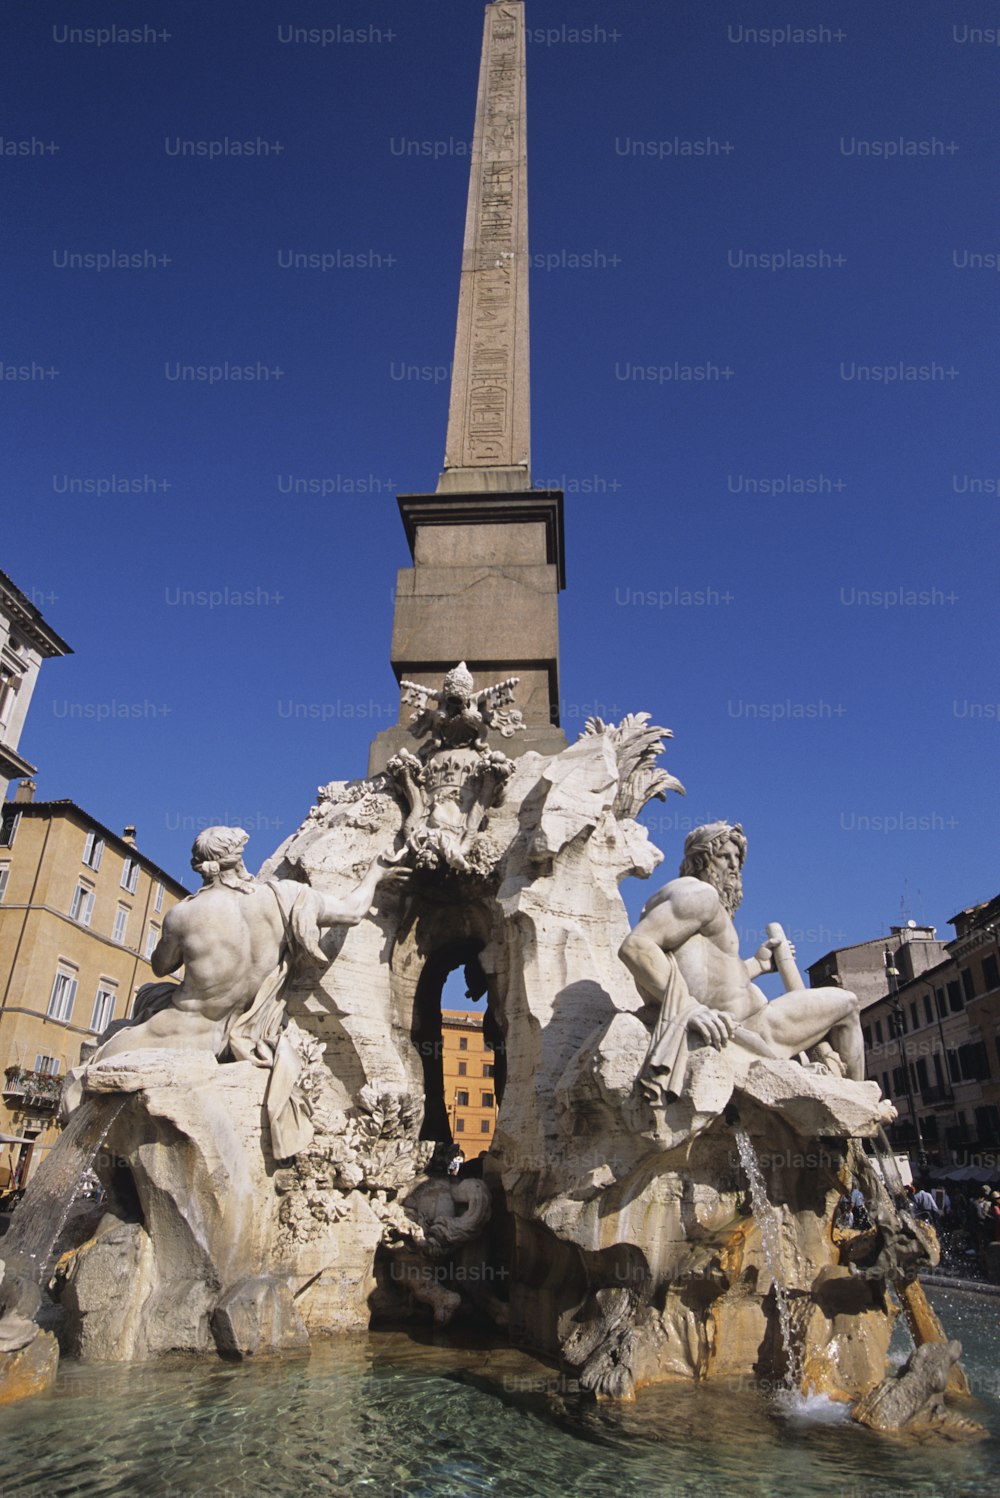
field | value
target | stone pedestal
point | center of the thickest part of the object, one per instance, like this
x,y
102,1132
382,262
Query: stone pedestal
x,y
488,568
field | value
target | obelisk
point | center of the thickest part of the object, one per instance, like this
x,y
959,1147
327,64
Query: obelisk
x,y
489,439
487,549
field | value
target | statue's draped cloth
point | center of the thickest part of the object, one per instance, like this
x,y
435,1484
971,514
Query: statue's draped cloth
x,y
664,1068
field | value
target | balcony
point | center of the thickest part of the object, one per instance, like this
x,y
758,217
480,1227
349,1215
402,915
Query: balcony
x,y
31,1089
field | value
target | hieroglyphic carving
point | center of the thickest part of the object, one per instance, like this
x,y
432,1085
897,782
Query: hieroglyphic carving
x,y
488,415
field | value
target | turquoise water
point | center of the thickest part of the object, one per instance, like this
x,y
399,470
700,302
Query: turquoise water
x,y
385,1416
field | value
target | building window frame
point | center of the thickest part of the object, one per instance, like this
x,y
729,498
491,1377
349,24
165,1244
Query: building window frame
x,y
121,924
8,828
81,909
130,874
63,995
104,1008
158,897
93,850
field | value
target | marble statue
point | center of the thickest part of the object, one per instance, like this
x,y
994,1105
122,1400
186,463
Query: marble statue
x,y
237,940
439,1219
463,716
684,956
455,778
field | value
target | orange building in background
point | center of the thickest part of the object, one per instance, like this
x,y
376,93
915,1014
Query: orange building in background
x,y
469,1087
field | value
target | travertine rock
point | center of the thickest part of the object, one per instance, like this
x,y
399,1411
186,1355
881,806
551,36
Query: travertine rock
x,y
257,1315
30,1370
912,1398
813,1104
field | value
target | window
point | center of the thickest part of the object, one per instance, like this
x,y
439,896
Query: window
x,y
968,988
152,937
975,1062
461,1068
939,1001
8,828
991,977
954,1069
47,1065
463,1043
914,1021
487,1100
460,1126
462,1099
878,1032
63,994
121,921
104,1009
93,851
82,907
4,876
484,1126
8,692
488,1069
955,1001
130,875
922,1081
928,1010
898,1081
158,901
867,1036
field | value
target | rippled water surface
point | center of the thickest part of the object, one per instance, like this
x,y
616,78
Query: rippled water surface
x,y
388,1415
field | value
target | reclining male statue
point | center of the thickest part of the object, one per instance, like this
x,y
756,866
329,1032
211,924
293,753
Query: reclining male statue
x,y
684,956
237,939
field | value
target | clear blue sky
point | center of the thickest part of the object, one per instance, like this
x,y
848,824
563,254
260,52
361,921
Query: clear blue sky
x,y
856,742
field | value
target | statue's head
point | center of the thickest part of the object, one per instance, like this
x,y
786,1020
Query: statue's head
x,y
218,851
715,854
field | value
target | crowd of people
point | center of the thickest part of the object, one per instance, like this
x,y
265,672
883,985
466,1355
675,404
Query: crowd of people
x,y
966,1219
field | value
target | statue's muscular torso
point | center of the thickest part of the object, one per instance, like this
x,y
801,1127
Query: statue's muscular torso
x,y
689,919
226,940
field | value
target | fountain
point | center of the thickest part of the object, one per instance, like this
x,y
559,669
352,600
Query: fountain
x,y
268,1180
769,1223
270,1154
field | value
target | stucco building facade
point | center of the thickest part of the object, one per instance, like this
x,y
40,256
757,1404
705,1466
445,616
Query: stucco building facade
x,y
81,909
469,1068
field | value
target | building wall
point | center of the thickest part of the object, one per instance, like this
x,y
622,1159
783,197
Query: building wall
x,y
468,1067
25,641
950,1044
861,968
40,938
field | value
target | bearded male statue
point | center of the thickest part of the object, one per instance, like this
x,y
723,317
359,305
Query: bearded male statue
x,y
684,957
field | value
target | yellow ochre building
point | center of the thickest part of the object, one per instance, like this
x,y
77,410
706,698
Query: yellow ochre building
x,y
81,910
468,1065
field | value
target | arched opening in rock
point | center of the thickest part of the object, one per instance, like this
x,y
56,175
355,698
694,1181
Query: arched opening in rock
x,y
442,1104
